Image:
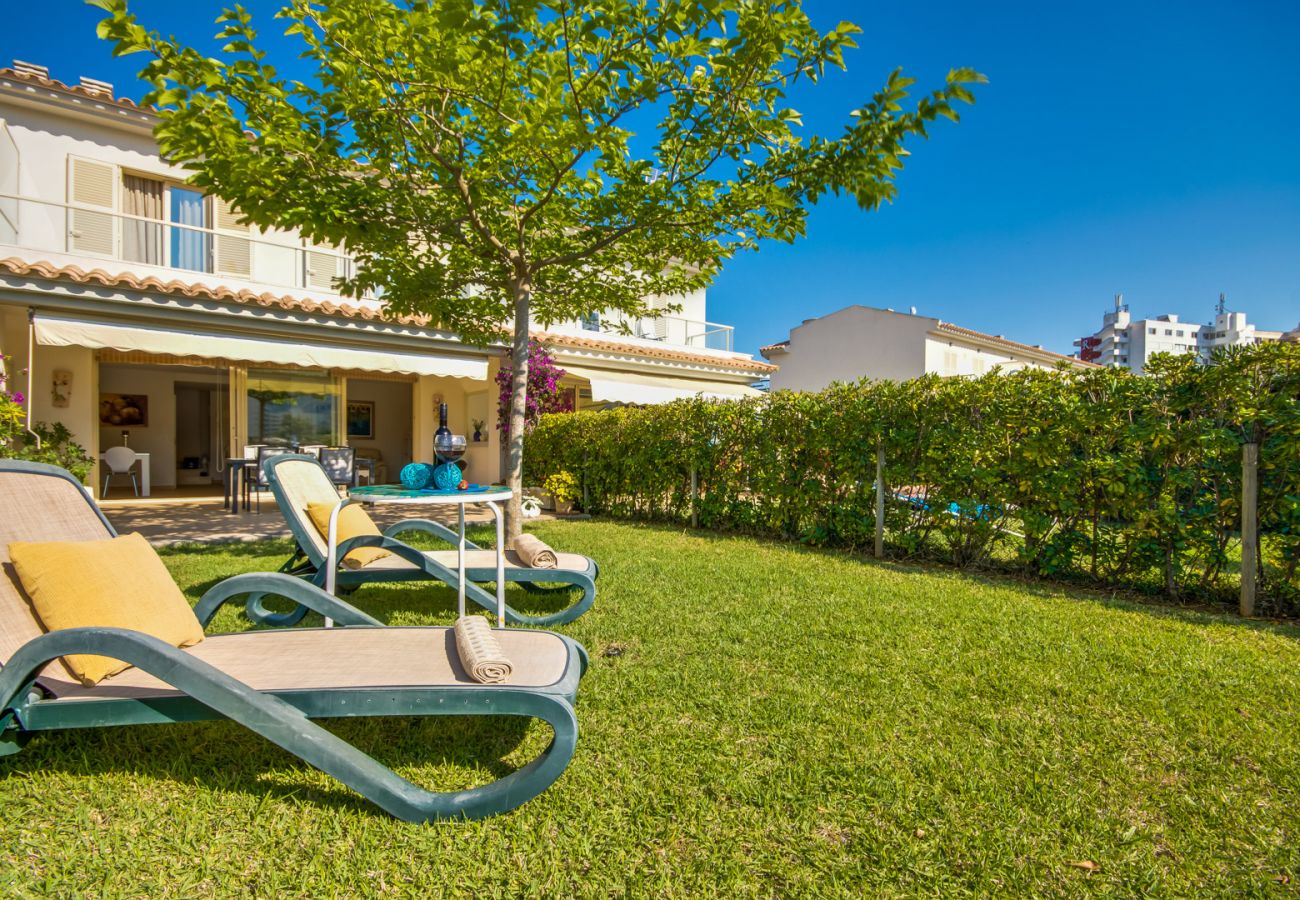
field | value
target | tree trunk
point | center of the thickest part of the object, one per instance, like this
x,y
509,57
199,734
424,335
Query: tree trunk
x,y
518,398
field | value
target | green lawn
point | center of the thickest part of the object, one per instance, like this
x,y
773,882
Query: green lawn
x,y
759,720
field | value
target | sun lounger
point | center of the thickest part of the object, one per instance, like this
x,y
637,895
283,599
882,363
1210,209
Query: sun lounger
x,y
273,682
298,481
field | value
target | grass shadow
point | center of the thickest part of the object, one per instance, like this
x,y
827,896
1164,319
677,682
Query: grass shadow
x,y
222,755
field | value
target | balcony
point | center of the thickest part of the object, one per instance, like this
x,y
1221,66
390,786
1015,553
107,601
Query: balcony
x,y
65,233
89,236
674,330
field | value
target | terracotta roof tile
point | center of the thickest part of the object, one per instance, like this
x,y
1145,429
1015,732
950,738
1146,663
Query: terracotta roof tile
x,y
132,281
779,345
79,90
1011,345
721,362
267,300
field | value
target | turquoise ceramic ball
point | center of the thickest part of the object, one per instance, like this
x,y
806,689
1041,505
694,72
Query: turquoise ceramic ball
x,y
416,476
447,477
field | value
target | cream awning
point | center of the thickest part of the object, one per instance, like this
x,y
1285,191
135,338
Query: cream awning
x,y
53,332
625,387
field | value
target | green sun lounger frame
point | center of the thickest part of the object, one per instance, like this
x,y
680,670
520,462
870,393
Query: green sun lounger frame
x,y
308,561
285,717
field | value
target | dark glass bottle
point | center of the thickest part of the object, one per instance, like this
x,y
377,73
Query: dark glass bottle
x,y
442,430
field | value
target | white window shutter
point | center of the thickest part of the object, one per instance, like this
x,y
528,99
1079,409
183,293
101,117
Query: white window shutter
x,y
323,268
234,254
92,194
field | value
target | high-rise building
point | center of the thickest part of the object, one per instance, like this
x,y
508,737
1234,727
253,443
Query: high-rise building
x,y
1130,343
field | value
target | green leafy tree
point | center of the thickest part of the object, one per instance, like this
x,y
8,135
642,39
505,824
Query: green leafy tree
x,y
491,162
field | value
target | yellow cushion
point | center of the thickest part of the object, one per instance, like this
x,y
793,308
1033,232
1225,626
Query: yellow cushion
x,y
353,522
118,583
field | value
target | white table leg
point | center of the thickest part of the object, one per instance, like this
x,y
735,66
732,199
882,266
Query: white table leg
x,y
501,565
460,561
144,473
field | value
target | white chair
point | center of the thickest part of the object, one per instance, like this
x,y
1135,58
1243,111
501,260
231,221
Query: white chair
x,y
120,461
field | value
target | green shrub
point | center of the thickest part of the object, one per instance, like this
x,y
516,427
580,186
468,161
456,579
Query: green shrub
x,y
55,447
1131,481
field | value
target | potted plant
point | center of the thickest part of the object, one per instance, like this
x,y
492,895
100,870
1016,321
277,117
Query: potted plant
x,y
563,488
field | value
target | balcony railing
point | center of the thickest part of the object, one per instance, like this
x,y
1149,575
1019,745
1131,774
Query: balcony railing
x,y
669,329
89,233
92,233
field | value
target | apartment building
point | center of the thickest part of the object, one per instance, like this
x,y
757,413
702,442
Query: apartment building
x,y
153,317
865,342
1130,343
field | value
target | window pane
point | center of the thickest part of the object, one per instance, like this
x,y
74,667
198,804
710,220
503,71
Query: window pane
x,y
142,241
289,408
189,248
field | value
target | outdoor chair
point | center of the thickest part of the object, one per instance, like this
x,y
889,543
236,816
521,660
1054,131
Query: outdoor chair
x,y
274,682
119,461
258,483
338,463
298,481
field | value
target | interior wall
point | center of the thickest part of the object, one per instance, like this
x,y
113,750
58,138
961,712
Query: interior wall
x,y
78,385
392,420
159,437
463,399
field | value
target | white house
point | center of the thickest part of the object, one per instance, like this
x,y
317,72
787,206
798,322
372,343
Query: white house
x,y
147,314
865,342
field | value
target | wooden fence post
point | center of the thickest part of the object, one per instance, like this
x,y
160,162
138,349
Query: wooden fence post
x,y
695,498
880,503
1249,525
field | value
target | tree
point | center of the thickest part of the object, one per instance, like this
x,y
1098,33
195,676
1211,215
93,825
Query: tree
x,y
491,162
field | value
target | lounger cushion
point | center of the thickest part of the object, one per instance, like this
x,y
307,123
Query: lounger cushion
x,y
487,559
115,583
353,522
324,659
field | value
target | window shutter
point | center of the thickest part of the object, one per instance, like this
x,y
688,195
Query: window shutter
x,y
92,186
234,254
323,269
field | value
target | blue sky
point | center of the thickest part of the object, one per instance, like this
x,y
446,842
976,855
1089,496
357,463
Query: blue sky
x,y
1150,148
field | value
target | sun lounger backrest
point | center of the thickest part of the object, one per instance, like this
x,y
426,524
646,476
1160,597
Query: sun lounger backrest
x,y
39,503
297,481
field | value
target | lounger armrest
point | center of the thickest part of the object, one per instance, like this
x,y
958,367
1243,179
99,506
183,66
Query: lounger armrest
x,y
144,651
437,529
383,542
434,569
278,584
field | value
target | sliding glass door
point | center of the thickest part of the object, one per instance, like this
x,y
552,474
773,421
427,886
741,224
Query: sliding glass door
x,y
289,407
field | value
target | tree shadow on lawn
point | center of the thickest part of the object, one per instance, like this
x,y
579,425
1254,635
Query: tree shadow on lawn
x,y
224,756
1113,598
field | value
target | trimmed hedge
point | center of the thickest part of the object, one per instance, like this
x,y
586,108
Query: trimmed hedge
x,y
1128,481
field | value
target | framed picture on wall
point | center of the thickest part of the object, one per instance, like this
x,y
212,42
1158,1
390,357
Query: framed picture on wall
x,y
130,410
361,419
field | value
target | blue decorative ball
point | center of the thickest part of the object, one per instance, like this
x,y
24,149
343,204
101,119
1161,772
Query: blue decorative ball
x,y
447,477
416,476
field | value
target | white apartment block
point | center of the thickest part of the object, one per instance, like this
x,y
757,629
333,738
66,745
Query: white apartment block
x,y
864,342
1130,343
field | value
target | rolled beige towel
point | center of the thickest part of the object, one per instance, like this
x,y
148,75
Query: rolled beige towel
x,y
534,553
480,652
